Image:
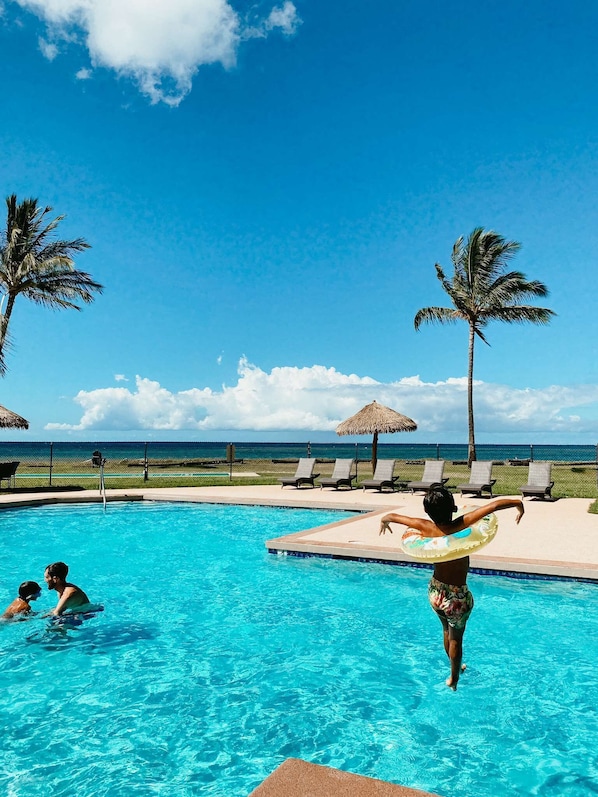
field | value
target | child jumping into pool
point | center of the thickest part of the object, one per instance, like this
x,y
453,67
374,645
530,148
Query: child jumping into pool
x,y
448,593
21,606
69,595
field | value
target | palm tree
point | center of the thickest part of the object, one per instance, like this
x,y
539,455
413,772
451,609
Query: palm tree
x,y
33,263
482,290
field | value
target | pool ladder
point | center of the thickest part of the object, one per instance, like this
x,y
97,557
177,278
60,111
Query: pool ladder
x,y
102,483
98,461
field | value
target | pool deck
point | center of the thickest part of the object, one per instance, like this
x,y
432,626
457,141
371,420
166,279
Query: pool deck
x,y
554,538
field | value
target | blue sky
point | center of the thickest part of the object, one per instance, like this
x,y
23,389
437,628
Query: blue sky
x,y
266,189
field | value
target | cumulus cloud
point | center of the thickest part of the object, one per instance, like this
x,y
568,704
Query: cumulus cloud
x,y
160,45
319,398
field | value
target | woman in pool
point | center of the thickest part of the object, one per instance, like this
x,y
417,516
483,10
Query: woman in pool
x,y
448,592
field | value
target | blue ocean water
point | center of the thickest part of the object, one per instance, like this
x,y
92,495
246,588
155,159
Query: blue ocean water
x,y
214,661
189,451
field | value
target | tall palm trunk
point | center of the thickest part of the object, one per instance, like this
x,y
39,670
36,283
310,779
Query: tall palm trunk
x,y
471,453
483,290
4,321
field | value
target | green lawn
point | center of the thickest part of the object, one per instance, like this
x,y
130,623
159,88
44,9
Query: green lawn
x,y
579,481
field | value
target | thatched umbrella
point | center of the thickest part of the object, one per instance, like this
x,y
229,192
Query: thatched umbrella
x,y
10,420
376,419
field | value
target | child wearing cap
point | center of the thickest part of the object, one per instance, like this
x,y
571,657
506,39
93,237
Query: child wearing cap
x,y
28,591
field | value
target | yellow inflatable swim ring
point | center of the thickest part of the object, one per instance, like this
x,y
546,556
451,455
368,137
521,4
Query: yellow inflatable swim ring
x,y
453,546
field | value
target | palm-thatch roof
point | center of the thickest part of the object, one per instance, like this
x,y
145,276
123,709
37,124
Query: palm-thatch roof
x,y
376,419
10,420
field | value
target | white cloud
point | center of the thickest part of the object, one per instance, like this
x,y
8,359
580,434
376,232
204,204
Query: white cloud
x,y
48,49
318,398
83,74
120,378
160,44
285,17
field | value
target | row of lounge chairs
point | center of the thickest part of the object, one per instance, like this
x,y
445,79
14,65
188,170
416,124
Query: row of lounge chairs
x,y
539,483
383,478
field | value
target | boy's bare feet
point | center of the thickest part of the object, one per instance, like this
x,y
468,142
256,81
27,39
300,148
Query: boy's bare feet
x,y
449,681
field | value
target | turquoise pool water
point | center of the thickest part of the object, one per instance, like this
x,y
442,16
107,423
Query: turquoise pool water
x,y
214,661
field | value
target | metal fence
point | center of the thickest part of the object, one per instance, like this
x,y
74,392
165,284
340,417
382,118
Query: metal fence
x,y
33,466
62,465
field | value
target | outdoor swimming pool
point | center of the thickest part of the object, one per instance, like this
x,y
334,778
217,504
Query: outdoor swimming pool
x,y
214,661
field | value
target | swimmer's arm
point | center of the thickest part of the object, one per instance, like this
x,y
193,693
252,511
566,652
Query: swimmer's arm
x,y
61,605
494,506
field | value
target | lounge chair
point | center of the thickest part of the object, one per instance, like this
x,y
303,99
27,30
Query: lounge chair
x,y
433,470
539,482
303,475
341,475
383,476
480,479
7,472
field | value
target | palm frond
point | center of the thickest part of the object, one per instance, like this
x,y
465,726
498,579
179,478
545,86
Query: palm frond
x,y
523,314
435,315
35,264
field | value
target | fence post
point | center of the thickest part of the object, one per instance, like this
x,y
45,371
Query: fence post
x,y
145,467
230,458
51,461
531,452
437,450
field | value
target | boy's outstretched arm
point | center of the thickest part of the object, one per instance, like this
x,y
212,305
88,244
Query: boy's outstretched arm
x,y
494,506
404,520
508,503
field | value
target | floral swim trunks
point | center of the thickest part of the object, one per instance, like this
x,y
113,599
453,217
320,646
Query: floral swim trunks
x,y
453,604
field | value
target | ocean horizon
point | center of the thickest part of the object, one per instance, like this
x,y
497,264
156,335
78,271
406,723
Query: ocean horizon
x,y
190,451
